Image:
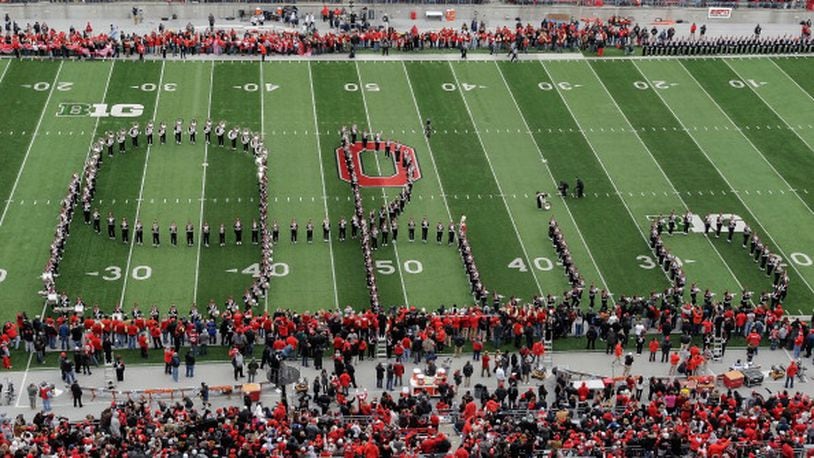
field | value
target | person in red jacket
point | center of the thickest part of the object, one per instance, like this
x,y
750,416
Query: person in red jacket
x,y
485,369
654,348
791,372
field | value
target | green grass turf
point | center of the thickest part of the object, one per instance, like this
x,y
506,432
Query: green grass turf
x,y
673,149
500,127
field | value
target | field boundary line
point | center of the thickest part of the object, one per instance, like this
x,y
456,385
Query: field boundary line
x,y
760,153
203,190
92,137
30,144
322,180
141,187
384,192
801,88
601,164
497,182
656,162
785,121
551,174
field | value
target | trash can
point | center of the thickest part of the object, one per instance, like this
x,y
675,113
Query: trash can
x,y
253,390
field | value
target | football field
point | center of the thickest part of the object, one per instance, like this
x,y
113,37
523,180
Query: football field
x,y
715,136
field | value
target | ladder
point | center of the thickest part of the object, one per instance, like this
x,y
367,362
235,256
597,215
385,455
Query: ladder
x,y
548,346
381,348
717,348
110,377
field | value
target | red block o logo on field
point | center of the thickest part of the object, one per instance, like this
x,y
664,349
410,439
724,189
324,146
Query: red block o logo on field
x,y
399,179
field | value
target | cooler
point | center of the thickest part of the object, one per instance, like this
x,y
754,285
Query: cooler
x,y
253,390
733,379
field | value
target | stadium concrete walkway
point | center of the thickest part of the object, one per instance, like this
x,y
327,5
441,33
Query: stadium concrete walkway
x,y
139,377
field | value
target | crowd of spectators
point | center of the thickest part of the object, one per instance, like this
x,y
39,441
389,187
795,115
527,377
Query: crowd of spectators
x,y
332,417
591,34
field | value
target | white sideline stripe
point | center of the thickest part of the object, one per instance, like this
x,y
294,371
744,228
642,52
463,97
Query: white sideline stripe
x,y
322,178
31,143
141,187
760,153
384,192
203,192
92,137
497,182
663,174
550,174
601,164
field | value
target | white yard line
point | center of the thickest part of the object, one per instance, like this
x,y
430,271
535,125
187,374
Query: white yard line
x,y
601,164
45,303
786,74
30,144
203,191
263,137
760,153
141,187
427,141
322,178
550,174
771,107
384,193
663,174
497,182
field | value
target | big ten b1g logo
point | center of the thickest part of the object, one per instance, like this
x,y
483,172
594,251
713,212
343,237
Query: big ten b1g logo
x,y
100,110
405,164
